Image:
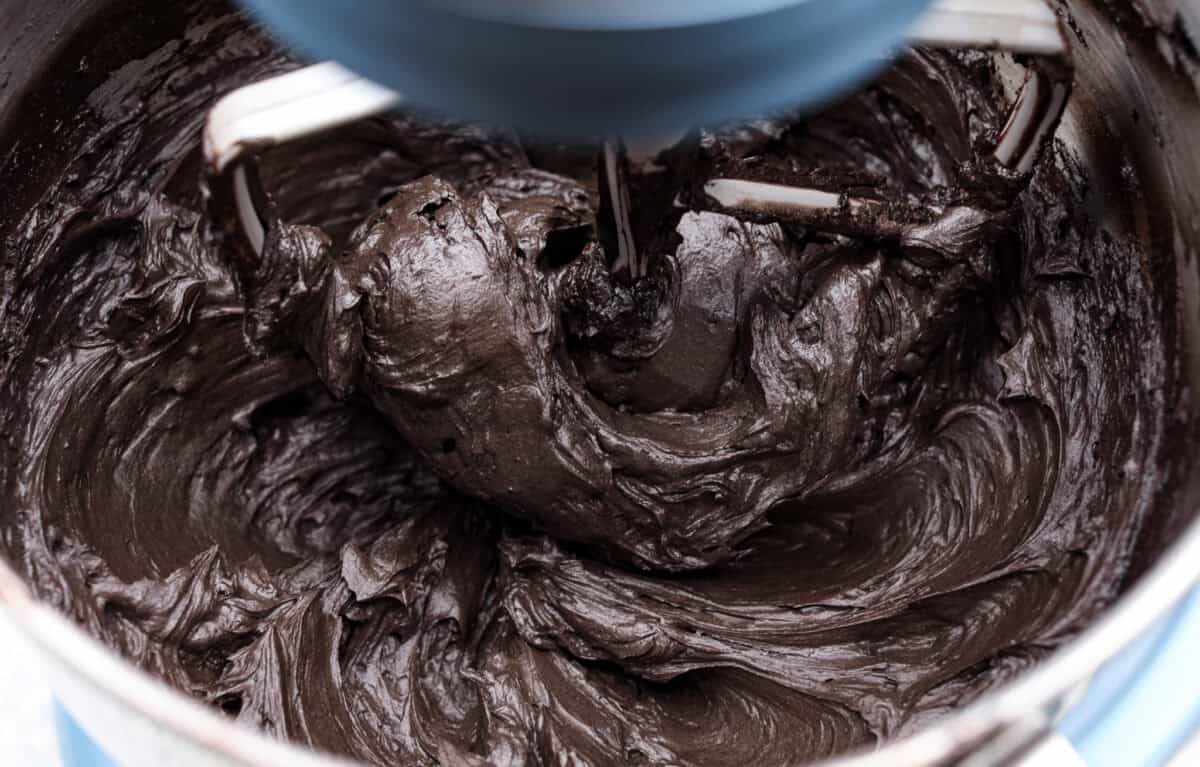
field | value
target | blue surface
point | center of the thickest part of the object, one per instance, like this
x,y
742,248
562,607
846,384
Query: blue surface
x,y
77,749
1144,704
708,65
609,14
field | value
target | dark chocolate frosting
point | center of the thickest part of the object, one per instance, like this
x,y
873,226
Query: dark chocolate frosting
x,y
434,480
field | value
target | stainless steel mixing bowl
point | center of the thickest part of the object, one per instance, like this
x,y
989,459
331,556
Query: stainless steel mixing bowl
x,y
1148,70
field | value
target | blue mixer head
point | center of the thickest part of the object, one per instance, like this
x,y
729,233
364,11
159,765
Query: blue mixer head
x,y
600,67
